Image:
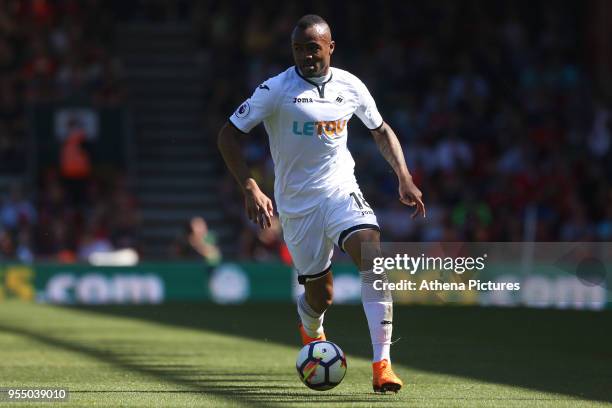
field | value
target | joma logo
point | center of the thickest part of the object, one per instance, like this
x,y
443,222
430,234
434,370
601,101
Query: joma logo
x,y
302,100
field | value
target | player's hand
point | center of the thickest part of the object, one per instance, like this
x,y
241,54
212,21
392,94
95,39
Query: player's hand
x,y
411,195
258,206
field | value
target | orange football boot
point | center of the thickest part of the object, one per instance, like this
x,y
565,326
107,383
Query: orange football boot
x,y
384,379
306,339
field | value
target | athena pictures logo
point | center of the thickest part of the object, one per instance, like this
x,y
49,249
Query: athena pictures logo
x,y
243,110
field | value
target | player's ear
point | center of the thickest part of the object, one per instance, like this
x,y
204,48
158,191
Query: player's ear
x,y
332,46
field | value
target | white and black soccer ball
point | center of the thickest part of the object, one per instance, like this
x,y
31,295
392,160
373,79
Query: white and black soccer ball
x,y
321,365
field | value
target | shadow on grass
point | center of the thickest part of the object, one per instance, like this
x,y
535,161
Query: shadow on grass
x,y
565,352
234,388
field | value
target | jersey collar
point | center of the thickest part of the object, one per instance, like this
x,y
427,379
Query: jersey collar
x,y
320,87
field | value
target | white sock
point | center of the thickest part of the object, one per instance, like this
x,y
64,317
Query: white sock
x,y
380,318
378,307
311,320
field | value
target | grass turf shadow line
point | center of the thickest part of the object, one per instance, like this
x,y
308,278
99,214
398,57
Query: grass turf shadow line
x,y
544,350
256,396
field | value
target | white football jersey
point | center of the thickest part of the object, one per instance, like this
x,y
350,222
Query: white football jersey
x,y
307,125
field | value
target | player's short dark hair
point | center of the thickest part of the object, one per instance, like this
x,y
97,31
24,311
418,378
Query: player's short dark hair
x,y
310,20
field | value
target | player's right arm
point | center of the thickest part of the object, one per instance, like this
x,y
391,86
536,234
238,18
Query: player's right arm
x,y
254,110
258,206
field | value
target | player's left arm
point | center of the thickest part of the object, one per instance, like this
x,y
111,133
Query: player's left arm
x,y
391,149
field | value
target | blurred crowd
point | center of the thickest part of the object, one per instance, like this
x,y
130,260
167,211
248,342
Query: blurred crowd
x,y
59,51
49,51
501,124
64,227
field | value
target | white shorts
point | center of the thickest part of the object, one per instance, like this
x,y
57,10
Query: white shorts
x,y
311,238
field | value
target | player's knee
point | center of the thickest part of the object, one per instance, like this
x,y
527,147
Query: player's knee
x,y
363,255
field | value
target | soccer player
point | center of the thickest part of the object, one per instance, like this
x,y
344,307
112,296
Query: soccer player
x,y
305,111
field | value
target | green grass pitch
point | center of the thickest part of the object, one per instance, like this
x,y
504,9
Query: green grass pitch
x,y
185,355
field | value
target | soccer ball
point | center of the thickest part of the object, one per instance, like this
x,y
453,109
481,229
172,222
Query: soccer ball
x,y
321,365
